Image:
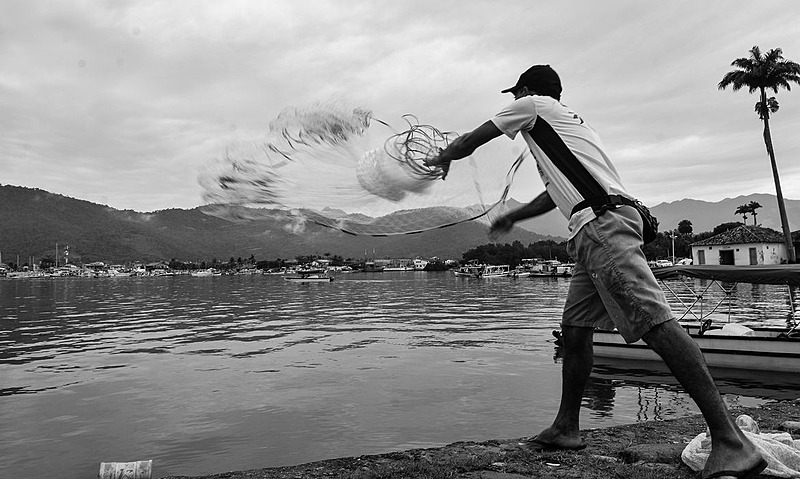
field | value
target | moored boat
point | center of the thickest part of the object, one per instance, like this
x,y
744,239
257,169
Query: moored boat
x,y
420,264
728,345
276,271
476,270
493,271
206,272
319,278
468,270
765,349
526,267
551,268
398,268
308,276
372,267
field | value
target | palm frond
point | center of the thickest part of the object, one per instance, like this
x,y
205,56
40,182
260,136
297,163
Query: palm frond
x,y
771,107
762,71
734,79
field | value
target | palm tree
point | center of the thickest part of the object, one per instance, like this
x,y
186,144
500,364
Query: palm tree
x,y
742,210
753,206
762,72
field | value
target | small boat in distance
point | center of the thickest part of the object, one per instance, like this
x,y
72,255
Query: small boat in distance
x,y
493,271
478,270
420,264
551,268
526,267
276,271
469,270
372,267
398,268
308,276
206,272
400,264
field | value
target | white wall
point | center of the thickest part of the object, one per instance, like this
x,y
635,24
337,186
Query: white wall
x,y
766,253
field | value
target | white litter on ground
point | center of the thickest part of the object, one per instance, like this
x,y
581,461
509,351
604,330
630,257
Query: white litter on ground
x,y
780,450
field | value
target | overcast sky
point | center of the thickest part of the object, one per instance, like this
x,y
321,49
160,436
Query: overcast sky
x,y
121,103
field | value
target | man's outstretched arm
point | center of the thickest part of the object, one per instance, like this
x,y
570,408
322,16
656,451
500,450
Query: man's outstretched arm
x,y
465,145
539,206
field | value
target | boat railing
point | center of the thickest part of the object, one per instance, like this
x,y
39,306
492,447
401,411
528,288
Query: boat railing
x,y
702,304
702,301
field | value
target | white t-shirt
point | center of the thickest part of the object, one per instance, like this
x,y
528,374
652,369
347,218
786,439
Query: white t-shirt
x,y
554,133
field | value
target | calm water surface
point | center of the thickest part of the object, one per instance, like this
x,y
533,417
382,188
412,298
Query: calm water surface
x,y
206,375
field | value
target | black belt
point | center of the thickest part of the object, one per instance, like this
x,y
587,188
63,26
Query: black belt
x,y
601,204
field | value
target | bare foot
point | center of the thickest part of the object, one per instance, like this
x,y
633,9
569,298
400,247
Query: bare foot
x,y
555,437
738,459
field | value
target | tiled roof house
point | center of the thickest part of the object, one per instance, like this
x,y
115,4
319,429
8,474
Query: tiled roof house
x,y
743,245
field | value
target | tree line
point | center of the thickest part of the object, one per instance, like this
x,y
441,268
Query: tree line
x,y
678,241
662,247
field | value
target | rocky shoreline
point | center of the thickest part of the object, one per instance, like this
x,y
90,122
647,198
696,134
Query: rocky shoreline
x,y
648,450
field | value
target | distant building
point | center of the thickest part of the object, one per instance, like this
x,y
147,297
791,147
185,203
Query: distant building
x,y
743,245
156,266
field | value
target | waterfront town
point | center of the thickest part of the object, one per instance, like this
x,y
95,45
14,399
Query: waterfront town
x,y
728,244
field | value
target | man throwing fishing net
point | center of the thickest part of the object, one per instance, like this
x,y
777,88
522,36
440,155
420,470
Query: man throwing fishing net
x,y
612,285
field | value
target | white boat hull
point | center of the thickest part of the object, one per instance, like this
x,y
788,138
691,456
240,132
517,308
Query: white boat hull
x,y
309,279
765,352
493,271
465,274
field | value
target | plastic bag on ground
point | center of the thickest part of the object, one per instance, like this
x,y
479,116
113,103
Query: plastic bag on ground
x,y
778,448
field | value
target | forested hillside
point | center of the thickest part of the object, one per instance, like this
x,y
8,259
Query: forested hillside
x,y
33,221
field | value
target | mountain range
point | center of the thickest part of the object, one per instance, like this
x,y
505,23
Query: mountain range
x,y
705,215
33,222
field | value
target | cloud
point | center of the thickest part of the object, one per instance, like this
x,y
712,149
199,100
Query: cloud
x,y
124,101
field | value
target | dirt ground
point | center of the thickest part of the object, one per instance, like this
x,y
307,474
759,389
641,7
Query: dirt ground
x,y
645,450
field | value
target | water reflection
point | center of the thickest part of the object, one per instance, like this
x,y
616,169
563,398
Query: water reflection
x,y
732,382
211,374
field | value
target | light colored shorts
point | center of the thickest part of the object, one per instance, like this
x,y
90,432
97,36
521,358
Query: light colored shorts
x,y
612,285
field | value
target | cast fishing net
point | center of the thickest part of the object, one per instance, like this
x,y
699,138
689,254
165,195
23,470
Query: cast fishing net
x,y
340,167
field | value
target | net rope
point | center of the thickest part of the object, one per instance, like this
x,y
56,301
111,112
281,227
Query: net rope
x,y
340,167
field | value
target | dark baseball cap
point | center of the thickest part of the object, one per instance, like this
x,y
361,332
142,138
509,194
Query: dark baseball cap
x,y
540,79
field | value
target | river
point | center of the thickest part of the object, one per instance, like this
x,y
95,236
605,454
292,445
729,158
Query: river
x,y
207,375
